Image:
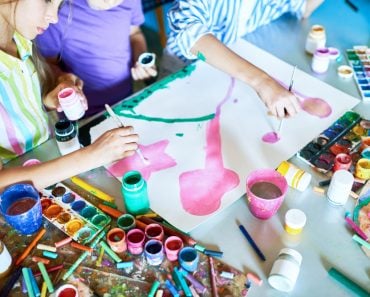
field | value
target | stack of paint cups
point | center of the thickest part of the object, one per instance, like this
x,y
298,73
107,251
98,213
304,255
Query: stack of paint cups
x,y
296,177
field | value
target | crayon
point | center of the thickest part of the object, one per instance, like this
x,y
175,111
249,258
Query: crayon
x,y
254,278
227,275
40,259
355,228
111,211
159,293
50,254
213,277
27,280
348,283
361,241
30,247
10,283
91,189
50,269
196,284
125,265
35,288
46,277
193,291
44,289
183,283
81,247
100,257
63,242
45,247
324,183
171,288
154,288
213,253
252,243
319,190
110,252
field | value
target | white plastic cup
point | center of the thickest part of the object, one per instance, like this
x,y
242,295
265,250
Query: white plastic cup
x,y
340,187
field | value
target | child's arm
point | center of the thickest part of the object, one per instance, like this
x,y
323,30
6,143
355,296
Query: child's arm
x,y
277,99
139,46
113,145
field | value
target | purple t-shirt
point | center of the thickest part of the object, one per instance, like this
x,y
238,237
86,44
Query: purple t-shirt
x,y
95,45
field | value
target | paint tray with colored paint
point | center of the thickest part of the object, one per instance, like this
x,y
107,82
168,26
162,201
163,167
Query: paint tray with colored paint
x,y
72,214
343,136
359,59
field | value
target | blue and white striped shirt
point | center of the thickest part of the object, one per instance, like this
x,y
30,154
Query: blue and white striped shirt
x,y
227,20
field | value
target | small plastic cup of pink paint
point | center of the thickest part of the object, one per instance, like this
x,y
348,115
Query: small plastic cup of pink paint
x,y
135,241
172,247
266,189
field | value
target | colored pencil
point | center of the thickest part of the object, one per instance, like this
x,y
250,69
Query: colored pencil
x,y
91,189
30,247
213,277
348,283
252,243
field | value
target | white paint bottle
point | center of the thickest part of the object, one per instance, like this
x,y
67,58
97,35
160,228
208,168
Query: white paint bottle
x,y
340,187
5,260
71,104
285,270
316,38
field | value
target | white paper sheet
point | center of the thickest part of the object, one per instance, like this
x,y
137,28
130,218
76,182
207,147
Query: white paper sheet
x,y
243,121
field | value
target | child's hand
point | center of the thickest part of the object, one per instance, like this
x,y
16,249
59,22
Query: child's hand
x,y
113,145
279,101
140,72
67,80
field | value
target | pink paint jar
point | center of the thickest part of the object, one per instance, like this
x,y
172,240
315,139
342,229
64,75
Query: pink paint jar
x,y
154,231
116,239
266,189
71,104
321,60
172,247
135,241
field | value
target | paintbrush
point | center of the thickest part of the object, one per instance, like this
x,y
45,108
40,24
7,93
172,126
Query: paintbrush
x,y
121,124
289,89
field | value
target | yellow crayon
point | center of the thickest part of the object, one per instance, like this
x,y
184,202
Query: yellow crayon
x,y
91,189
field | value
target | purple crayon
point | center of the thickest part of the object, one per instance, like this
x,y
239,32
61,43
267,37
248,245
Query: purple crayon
x,y
196,284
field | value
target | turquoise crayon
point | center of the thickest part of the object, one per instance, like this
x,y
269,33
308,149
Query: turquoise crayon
x,y
49,254
183,283
348,283
154,288
35,288
124,265
27,280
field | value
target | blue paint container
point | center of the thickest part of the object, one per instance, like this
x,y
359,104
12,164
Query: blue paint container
x,y
21,207
154,252
189,259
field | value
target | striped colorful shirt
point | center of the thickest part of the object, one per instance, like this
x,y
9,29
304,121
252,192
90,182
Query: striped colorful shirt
x,y
227,20
23,122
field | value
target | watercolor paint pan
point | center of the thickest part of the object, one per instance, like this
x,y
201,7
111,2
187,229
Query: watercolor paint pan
x,y
72,214
359,59
321,151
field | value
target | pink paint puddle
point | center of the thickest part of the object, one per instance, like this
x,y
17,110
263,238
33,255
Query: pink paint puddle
x,y
271,137
201,190
316,106
154,153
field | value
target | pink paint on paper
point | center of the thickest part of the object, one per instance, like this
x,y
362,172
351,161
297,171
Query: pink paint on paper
x,y
271,137
316,106
157,160
201,190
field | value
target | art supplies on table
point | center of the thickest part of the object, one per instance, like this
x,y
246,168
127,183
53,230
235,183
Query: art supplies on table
x,y
72,214
359,59
343,136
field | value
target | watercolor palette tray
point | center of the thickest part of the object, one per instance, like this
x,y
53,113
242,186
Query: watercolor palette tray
x,y
359,59
72,214
343,136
